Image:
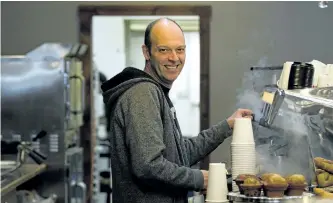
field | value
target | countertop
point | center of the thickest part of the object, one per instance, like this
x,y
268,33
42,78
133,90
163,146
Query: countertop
x,y
20,176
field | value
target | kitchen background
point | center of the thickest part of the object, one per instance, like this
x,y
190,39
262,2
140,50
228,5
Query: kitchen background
x,y
242,35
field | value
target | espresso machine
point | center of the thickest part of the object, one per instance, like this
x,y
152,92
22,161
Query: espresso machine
x,y
293,117
42,103
297,114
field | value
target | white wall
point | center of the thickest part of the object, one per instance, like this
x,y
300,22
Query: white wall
x,y
109,44
108,39
135,56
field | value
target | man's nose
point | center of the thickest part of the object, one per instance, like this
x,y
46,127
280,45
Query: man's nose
x,y
173,56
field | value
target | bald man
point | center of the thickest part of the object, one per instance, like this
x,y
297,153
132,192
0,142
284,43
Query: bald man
x,y
150,159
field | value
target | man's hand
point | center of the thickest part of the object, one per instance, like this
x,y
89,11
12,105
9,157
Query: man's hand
x,y
240,113
205,175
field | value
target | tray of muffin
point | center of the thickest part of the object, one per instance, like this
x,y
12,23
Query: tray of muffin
x,y
323,178
270,187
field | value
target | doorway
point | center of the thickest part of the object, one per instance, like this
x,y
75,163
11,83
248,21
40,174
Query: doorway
x,y
86,14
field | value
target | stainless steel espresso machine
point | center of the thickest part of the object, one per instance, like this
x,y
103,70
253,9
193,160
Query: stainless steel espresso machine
x,y
293,124
42,96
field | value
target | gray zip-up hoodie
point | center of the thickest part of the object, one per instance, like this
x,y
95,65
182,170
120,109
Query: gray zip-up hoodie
x,y
150,160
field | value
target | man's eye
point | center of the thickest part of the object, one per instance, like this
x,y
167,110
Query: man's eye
x,y
163,50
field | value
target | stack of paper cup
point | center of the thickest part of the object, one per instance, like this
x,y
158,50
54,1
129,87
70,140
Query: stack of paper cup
x,y
325,81
217,189
243,154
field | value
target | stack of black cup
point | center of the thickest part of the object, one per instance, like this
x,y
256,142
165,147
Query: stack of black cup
x,y
301,75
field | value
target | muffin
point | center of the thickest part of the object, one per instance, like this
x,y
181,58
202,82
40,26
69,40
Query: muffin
x,y
322,193
251,187
240,180
264,176
297,185
324,179
275,185
324,164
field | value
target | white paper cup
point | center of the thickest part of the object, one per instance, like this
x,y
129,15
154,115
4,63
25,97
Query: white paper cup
x,y
245,170
237,171
325,81
242,132
237,164
242,150
217,188
243,158
242,155
247,164
242,144
236,148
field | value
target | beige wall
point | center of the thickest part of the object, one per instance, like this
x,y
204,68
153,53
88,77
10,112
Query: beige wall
x,y
243,33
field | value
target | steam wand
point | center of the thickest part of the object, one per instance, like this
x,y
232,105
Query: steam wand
x,y
24,148
271,112
266,68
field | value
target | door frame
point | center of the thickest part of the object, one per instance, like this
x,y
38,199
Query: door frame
x,y
85,15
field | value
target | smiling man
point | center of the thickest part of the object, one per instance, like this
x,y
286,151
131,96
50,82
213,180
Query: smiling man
x,y
150,159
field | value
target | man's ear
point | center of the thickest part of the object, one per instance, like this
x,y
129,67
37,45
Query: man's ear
x,y
145,52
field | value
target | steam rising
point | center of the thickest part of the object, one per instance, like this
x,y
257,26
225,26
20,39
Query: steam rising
x,y
253,84
287,151
248,97
285,147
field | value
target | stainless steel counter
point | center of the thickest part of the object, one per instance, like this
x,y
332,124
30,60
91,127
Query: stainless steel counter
x,y
306,198
20,176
